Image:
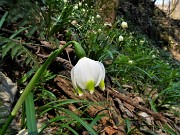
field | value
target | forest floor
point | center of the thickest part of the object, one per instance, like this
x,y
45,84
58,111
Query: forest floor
x,y
117,106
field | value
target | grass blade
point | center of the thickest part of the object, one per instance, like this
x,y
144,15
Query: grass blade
x,y
44,126
19,31
74,116
95,120
168,129
128,125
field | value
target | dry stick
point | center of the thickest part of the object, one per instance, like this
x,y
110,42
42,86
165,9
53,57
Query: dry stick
x,y
65,62
128,100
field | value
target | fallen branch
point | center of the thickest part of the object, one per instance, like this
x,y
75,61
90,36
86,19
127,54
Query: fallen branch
x,y
128,100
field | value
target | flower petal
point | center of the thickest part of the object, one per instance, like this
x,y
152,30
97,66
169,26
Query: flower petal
x,y
81,73
73,78
100,73
102,85
90,86
80,92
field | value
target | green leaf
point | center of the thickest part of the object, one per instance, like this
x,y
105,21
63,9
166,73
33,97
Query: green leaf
x,y
30,115
168,129
71,129
128,125
45,125
95,120
75,117
7,47
15,50
153,106
3,19
51,105
3,40
19,31
27,76
47,94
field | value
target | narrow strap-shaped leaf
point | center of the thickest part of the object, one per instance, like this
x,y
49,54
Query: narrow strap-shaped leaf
x,y
19,31
74,116
95,120
3,19
45,125
30,115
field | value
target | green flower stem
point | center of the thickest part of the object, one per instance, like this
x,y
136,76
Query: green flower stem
x,y
79,52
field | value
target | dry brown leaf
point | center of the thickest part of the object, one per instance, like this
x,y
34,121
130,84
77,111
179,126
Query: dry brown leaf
x,y
104,120
110,130
138,100
48,44
149,119
160,132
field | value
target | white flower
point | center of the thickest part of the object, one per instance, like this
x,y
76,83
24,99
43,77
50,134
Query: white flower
x,y
74,22
130,61
121,38
98,16
75,6
80,4
94,32
108,24
87,74
99,30
142,41
65,1
165,48
91,19
153,56
83,10
124,25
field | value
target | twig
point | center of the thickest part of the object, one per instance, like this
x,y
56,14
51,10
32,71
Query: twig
x,y
68,64
128,100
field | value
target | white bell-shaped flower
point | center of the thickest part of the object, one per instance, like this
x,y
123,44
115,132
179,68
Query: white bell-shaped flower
x,y
87,74
121,38
124,25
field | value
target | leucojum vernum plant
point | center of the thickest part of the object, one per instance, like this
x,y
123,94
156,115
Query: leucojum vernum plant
x,y
87,74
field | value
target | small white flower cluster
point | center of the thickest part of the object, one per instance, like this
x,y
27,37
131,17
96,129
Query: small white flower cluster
x,y
92,18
